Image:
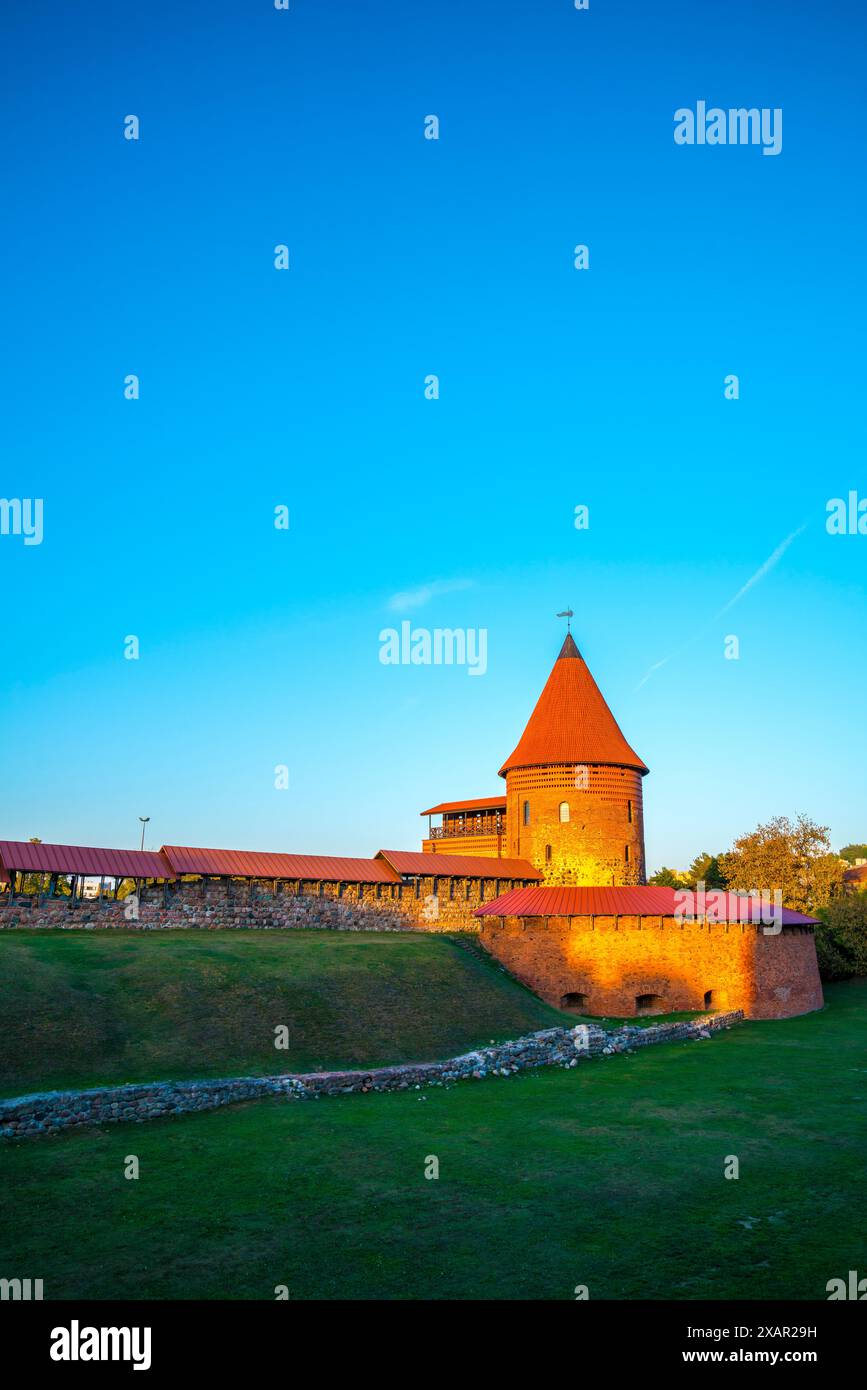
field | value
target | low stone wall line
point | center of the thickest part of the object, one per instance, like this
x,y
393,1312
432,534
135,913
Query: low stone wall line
x,y
48,1112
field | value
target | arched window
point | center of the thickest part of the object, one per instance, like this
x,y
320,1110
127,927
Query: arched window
x,y
526,813
547,854
564,812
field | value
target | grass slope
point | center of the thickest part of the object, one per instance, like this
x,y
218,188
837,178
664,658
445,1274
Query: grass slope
x,y
610,1175
82,1008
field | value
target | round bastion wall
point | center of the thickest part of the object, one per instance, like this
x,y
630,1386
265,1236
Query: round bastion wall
x,y
621,967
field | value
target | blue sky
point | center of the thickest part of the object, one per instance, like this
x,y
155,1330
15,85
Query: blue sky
x,y
305,388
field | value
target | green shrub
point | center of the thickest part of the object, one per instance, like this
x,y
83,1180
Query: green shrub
x,y
841,939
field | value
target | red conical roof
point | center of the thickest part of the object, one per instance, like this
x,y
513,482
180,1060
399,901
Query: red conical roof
x,y
571,722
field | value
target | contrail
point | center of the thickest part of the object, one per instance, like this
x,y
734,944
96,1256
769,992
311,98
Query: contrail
x,y
760,573
763,569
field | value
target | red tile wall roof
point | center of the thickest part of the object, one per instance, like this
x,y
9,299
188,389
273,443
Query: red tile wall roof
x,y
407,861
257,864
81,859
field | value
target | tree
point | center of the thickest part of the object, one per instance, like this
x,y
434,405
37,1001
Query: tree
x,y
705,868
841,939
793,856
667,878
853,852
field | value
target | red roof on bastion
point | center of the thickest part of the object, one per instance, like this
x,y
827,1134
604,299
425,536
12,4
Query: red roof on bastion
x,y
650,901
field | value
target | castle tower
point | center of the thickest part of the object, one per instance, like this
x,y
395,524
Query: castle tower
x,y
573,785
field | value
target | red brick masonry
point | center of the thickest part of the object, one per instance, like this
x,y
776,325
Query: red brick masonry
x,y
617,966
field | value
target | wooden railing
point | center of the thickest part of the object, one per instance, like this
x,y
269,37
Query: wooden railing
x,y
471,825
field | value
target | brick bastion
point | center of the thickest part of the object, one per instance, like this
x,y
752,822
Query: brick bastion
x,y
621,965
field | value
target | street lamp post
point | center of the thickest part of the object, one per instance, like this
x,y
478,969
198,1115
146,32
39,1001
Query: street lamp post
x,y
144,820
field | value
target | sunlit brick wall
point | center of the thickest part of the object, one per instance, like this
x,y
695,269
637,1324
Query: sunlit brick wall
x,y
602,842
607,963
488,846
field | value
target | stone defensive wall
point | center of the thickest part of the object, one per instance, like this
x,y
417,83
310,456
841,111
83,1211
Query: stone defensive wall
x,y
49,1112
433,903
621,965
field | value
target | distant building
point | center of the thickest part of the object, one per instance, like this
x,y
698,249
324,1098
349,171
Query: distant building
x,y
856,878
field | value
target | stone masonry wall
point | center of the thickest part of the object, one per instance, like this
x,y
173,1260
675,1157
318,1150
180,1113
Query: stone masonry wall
x,y
610,961
49,1112
434,904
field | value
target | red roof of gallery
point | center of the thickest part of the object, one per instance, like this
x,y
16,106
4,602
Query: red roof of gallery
x,y
258,864
856,875
496,803
407,861
173,860
649,901
27,857
571,722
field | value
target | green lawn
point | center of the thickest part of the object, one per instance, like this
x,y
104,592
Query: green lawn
x,y
609,1175
81,1008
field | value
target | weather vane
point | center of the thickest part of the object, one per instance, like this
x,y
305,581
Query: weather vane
x,y
568,615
